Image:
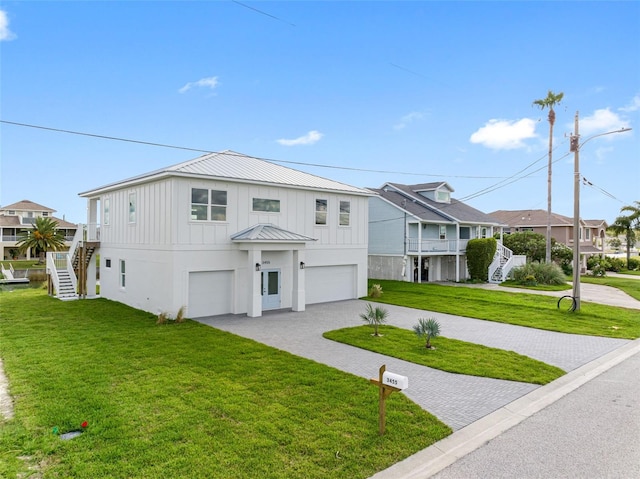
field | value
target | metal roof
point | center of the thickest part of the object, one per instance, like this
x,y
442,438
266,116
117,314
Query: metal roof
x,y
269,232
239,167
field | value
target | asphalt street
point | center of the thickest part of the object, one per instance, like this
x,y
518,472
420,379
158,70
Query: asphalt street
x,y
593,432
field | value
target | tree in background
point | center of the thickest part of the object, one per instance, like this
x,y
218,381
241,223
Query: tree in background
x,y
627,225
42,237
549,102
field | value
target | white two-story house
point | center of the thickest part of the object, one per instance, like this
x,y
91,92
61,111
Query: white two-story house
x,y
420,233
227,233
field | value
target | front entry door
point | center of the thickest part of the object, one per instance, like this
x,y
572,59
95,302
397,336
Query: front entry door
x,y
270,289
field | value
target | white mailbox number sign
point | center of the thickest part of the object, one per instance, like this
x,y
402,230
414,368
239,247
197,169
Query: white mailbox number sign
x,y
395,380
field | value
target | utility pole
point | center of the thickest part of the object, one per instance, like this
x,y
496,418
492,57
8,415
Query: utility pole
x,y
575,147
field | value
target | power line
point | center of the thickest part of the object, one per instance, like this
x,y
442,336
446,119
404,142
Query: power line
x,y
505,181
318,165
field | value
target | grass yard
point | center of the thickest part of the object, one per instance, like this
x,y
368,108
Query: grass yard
x,y
183,400
450,355
535,311
540,287
630,286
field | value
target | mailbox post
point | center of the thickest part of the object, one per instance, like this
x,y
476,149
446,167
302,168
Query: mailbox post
x,y
388,383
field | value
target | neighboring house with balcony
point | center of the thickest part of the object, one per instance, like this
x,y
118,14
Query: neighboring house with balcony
x,y
420,233
18,218
224,233
592,233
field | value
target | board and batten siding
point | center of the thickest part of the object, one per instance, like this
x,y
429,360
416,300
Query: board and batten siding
x,y
297,214
153,215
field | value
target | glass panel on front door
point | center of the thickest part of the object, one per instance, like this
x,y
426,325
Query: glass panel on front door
x,y
270,289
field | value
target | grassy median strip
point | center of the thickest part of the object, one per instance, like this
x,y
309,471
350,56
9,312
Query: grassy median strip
x,y
183,400
531,310
450,355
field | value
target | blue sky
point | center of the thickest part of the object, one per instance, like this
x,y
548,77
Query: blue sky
x,y
409,92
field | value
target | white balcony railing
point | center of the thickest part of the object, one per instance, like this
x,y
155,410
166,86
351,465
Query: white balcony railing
x,y
431,246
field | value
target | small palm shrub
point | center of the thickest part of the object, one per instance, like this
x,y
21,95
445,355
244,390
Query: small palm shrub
x,y
375,317
375,291
544,273
428,329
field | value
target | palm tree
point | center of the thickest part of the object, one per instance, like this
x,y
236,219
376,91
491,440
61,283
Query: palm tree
x,y
43,236
628,225
549,102
624,225
635,213
427,328
375,317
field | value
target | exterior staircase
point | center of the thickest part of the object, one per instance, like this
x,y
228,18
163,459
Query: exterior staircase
x,y
66,289
503,262
68,270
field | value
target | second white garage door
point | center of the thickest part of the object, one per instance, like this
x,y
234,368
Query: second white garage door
x,y
330,283
210,293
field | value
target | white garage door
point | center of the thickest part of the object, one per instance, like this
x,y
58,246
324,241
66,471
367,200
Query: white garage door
x,y
210,293
330,283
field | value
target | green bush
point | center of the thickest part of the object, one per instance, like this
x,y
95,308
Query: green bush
x,y
563,255
616,264
532,245
541,273
634,264
480,253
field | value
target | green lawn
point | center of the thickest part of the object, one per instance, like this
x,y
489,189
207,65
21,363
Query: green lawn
x,y
183,400
539,287
535,311
450,355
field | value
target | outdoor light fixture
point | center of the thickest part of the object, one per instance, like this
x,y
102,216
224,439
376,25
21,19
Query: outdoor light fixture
x,y
301,264
257,266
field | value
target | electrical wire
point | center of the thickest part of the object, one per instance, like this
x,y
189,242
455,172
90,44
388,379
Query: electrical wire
x,y
230,153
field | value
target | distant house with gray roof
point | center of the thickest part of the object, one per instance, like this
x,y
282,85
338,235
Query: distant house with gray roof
x,y
226,233
420,233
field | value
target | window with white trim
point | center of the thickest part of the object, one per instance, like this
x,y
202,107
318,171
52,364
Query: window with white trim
x,y
208,205
105,211
123,271
265,205
345,213
321,212
443,232
132,207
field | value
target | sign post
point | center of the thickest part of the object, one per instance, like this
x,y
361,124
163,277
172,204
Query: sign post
x,y
388,383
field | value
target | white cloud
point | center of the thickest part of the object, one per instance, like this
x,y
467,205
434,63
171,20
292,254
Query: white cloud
x,y
505,134
601,121
309,139
634,105
410,118
5,33
210,82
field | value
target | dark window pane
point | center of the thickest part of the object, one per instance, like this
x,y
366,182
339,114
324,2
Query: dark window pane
x,y
199,196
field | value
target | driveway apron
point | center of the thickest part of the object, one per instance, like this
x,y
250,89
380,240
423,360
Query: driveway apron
x,y
456,399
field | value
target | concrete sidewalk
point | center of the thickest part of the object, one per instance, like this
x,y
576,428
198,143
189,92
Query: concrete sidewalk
x,y
594,293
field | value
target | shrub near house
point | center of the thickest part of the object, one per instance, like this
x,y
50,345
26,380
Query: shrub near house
x,y
480,253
